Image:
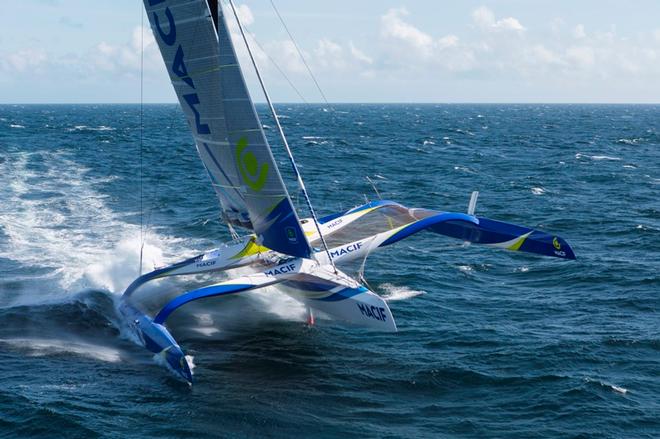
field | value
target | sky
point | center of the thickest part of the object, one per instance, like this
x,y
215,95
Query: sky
x,y
592,51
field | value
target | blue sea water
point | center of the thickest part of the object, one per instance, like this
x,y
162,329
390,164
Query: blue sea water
x,y
490,343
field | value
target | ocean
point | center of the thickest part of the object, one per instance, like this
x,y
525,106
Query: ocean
x,y
490,343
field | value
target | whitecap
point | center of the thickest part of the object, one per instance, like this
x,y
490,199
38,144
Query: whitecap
x,y
596,157
15,125
464,169
538,190
394,293
619,389
88,128
630,141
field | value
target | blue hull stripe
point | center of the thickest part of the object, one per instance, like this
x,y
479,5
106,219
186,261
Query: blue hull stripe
x,y
211,291
344,294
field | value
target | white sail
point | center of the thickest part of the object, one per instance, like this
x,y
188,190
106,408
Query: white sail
x,y
208,81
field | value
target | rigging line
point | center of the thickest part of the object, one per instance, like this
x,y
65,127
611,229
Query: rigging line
x,y
318,87
277,67
141,132
286,144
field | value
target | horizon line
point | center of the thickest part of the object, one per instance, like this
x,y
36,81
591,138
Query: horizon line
x,y
357,103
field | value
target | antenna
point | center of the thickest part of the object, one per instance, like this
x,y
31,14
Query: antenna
x,y
373,185
300,54
283,137
473,202
141,135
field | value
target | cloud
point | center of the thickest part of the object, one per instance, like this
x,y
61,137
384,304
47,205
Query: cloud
x,y
656,35
327,55
124,59
408,48
245,14
485,49
485,19
359,55
448,41
330,54
285,54
545,56
25,60
393,27
581,56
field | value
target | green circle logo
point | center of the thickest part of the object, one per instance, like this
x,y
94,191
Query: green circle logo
x,y
253,175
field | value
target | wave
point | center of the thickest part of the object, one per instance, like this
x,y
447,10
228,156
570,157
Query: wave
x,y
613,387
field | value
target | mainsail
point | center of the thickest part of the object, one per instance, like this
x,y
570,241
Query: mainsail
x,y
209,84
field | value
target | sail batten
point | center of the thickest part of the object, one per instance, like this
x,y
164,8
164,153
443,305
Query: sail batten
x,y
204,70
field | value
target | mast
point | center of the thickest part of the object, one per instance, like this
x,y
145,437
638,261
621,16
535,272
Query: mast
x,y
283,137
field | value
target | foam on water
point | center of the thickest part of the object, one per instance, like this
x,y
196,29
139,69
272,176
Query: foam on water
x,y
191,363
630,141
275,302
394,293
619,389
596,157
501,347
41,347
88,128
69,229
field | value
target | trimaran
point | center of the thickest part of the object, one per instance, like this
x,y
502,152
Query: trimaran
x,y
297,256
